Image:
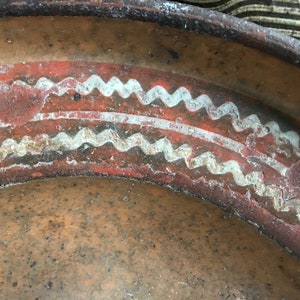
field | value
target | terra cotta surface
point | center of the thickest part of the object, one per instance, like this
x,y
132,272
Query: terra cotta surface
x,y
80,238
166,93
88,96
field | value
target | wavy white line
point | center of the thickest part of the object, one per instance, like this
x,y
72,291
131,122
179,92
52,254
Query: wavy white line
x,y
163,124
62,140
182,94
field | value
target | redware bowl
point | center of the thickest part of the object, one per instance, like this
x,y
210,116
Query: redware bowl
x,y
158,91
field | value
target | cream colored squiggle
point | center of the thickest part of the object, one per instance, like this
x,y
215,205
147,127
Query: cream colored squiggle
x,y
188,130
63,141
182,94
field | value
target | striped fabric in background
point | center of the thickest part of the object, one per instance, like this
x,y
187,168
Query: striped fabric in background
x,y
282,15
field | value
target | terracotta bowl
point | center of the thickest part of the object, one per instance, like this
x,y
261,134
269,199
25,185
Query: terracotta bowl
x,y
157,91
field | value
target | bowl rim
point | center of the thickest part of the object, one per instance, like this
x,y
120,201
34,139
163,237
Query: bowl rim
x,y
177,15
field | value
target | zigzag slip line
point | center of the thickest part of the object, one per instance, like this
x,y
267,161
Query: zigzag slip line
x,y
62,140
132,86
163,124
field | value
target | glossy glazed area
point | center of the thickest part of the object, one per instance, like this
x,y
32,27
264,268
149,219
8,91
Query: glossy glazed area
x,y
90,96
103,238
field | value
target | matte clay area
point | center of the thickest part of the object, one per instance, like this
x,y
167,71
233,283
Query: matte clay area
x,y
91,238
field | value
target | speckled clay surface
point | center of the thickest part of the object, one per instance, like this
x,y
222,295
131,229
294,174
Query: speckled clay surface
x,y
82,238
92,96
